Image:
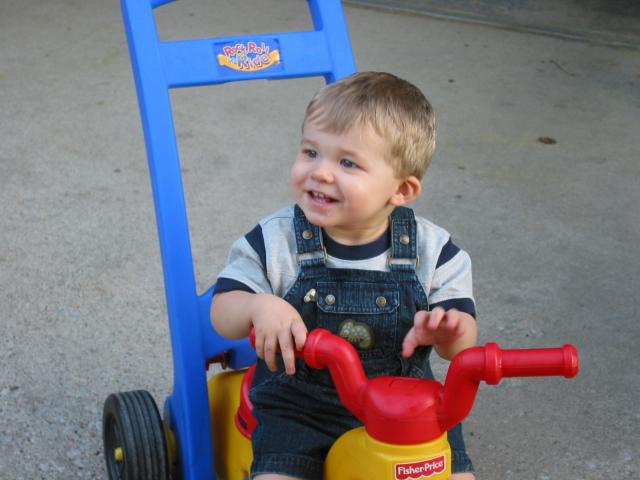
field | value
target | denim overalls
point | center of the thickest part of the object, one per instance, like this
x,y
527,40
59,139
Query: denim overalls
x,y
300,416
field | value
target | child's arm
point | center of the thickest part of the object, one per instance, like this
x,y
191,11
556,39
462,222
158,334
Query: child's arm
x,y
450,332
277,324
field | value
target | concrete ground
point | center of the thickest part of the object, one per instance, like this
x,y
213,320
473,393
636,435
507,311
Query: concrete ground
x,y
609,22
551,225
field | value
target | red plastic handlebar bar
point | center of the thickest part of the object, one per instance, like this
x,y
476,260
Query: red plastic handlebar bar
x,y
490,363
408,410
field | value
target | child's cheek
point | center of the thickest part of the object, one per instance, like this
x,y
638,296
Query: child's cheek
x,y
294,175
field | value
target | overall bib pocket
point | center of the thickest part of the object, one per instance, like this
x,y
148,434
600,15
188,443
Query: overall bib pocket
x,y
364,313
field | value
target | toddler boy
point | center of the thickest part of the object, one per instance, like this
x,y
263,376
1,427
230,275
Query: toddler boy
x,y
350,257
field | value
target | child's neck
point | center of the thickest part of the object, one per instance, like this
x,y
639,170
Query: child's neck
x,y
357,236
362,251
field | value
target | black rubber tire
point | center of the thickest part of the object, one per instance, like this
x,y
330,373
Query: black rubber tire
x,y
131,422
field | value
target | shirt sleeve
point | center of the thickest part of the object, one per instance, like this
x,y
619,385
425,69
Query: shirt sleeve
x,y
246,266
451,286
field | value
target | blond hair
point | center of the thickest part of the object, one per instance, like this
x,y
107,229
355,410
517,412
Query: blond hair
x,y
396,109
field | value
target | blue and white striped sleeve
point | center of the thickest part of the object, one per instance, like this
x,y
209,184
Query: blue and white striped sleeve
x,y
451,286
246,266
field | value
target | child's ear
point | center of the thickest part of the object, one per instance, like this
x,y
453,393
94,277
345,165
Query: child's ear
x,y
407,191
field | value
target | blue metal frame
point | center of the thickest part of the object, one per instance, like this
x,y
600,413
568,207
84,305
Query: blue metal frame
x,y
159,66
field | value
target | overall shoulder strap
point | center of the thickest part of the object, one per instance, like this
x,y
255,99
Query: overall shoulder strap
x,y
404,250
310,249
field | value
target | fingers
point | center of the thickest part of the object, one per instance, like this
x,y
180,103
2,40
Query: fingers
x,y
259,343
420,320
410,343
291,340
436,317
266,346
286,340
432,328
286,349
444,324
453,323
299,331
420,334
269,352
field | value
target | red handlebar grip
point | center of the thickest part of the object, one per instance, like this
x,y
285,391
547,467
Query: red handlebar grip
x,y
539,362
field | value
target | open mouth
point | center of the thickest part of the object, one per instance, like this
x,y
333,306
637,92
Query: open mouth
x,y
320,198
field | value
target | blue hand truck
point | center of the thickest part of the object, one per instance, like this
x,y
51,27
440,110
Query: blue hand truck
x,y
139,443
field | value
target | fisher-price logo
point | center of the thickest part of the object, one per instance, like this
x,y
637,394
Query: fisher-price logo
x,y
423,469
248,56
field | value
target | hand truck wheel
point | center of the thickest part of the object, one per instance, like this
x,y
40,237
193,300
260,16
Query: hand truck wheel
x,y
135,447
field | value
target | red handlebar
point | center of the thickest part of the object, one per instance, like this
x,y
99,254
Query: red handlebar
x,y
408,410
490,363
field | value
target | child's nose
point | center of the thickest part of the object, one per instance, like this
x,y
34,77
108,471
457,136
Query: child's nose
x,y
322,173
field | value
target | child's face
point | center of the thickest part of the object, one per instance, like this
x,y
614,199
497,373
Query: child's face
x,y
343,183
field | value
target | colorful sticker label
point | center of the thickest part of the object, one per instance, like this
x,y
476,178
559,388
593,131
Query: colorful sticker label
x,y
359,334
422,469
248,56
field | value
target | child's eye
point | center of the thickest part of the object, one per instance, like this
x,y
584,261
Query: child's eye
x,y
311,153
346,163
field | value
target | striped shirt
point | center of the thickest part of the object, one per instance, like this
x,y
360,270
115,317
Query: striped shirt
x,y
264,261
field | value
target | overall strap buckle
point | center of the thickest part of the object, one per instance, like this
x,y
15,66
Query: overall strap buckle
x,y
310,248
404,242
312,258
403,263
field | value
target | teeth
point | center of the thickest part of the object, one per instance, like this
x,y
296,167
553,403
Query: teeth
x,y
319,195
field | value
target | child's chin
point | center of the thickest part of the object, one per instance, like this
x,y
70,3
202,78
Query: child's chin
x,y
317,218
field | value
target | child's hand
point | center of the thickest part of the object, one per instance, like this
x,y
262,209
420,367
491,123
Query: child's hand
x,y
436,327
277,325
